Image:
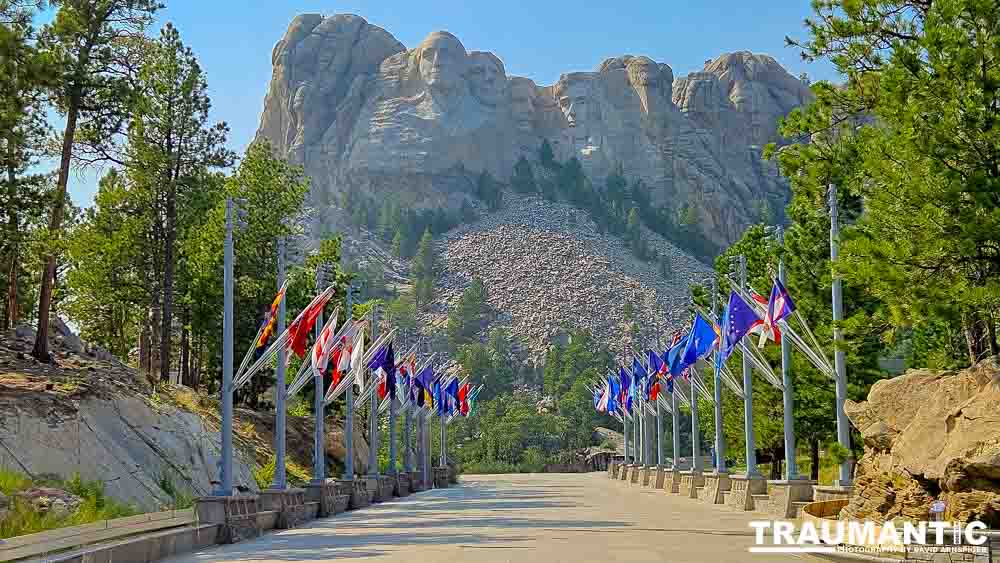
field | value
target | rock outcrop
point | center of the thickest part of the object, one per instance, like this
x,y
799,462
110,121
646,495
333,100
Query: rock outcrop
x,y
361,112
99,419
930,436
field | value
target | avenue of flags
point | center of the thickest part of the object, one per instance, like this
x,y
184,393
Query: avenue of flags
x,y
339,353
651,375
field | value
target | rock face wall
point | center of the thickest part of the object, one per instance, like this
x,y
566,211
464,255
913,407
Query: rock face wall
x,y
930,436
359,111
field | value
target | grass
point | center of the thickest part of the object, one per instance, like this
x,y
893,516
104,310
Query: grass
x,y
295,473
23,519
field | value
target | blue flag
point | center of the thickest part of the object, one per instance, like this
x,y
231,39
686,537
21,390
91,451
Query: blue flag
x,y
675,357
378,359
739,320
389,367
616,390
638,372
452,398
626,390
700,341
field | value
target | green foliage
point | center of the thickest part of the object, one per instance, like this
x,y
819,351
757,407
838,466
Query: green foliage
x,y
545,154
911,139
23,519
523,180
488,190
466,318
424,271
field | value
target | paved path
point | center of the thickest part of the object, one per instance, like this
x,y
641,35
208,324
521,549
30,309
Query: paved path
x,y
543,518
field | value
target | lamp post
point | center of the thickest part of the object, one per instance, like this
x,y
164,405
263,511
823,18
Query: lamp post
x,y
235,218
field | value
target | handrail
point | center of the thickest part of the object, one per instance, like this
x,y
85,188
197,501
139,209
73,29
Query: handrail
x,y
60,539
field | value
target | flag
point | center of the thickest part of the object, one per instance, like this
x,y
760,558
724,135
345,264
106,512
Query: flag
x,y
656,364
602,398
389,369
321,348
451,393
638,372
463,396
700,341
357,359
473,399
626,381
270,319
779,306
341,360
436,394
298,333
675,356
739,320
614,394
423,381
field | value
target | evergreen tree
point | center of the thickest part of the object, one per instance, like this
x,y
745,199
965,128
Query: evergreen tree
x,y
88,43
424,270
523,180
545,154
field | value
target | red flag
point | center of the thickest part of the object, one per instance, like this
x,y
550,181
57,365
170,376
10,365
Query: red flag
x,y
463,395
654,391
298,333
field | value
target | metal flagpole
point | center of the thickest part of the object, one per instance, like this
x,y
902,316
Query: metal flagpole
x,y
392,429
349,398
444,448
659,435
625,431
280,392
720,439
696,461
843,427
373,413
675,429
751,445
787,399
319,445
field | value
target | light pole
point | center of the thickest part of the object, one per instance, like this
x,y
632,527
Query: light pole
x,y
751,452
843,427
319,439
777,234
235,218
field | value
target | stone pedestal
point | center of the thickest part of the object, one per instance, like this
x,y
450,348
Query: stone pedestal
x,y
386,486
290,505
742,490
452,475
661,474
612,469
402,485
672,481
787,497
416,482
831,492
236,516
441,477
371,487
356,491
691,481
622,472
716,484
633,473
644,475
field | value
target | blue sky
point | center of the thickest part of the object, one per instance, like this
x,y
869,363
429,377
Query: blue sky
x,y
540,40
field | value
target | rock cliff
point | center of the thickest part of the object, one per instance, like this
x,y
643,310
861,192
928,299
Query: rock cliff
x,y
360,111
929,436
93,416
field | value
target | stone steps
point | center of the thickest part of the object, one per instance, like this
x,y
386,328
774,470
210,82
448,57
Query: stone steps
x,y
798,507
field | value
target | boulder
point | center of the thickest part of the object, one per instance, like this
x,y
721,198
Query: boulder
x,y
930,435
51,501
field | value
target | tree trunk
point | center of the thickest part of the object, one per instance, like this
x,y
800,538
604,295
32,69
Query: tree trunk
x,y
41,348
975,337
166,328
154,342
814,459
185,350
10,312
991,333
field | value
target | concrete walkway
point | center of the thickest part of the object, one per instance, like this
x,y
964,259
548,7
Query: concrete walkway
x,y
546,518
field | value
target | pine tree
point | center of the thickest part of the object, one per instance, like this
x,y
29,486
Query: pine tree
x,y
91,88
424,269
545,154
523,180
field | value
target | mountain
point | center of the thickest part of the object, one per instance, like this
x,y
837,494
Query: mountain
x,y
360,111
413,129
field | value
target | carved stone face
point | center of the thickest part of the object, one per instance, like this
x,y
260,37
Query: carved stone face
x,y
441,61
486,78
644,75
522,95
578,104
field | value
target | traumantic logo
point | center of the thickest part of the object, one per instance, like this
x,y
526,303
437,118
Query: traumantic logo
x,y
828,536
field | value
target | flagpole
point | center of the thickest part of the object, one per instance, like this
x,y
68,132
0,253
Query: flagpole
x,y
696,461
373,413
675,430
319,447
659,435
280,393
788,400
349,408
226,470
843,426
751,446
392,428
720,439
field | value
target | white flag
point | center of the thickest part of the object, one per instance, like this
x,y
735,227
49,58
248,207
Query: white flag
x,y
357,354
323,347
